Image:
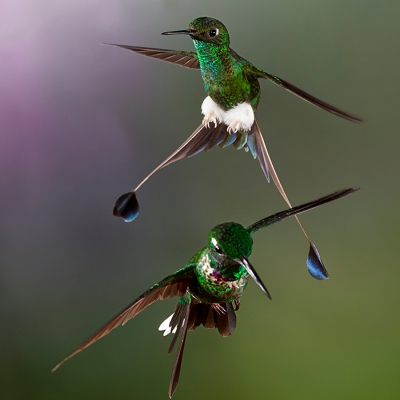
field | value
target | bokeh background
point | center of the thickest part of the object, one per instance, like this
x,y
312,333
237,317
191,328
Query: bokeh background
x,y
81,124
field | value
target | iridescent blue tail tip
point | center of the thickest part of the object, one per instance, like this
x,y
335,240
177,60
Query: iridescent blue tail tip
x,y
315,265
126,207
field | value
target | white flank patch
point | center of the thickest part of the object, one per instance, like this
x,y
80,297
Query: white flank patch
x,y
240,117
166,327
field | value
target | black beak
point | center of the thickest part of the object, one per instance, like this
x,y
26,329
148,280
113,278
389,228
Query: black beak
x,y
252,272
182,32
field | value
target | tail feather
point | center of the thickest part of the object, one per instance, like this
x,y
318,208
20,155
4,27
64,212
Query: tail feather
x,y
217,138
231,317
177,316
194,311
250,144
315,265
209,321
228,140
176,371
207,138
222,321
176,324
240,141
190,316
199,312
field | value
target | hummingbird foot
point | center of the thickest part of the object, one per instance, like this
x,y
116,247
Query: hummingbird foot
x,y
210,118
234,127
212,112
218,308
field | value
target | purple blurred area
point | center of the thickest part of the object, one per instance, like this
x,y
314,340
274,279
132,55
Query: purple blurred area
x,y
62,143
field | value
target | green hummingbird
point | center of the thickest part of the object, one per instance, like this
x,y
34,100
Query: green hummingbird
x,y
233,93
209,286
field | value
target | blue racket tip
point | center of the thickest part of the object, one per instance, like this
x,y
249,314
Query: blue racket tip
x,y
315,265
126,207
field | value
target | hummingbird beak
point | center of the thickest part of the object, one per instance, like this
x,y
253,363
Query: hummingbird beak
x,y
252,272
181,32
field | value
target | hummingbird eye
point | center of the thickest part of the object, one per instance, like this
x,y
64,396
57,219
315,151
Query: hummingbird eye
x,y
216,247
213,32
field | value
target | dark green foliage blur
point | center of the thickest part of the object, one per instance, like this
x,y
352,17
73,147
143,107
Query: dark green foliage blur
x,y
81,123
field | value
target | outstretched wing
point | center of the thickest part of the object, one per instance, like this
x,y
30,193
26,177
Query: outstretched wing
x,y
187,59
173,285
280,216
259,73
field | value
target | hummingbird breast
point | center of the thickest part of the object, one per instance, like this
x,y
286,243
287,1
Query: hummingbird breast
x,y
225,82
214,285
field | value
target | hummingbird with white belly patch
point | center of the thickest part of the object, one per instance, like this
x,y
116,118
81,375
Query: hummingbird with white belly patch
x,y
209,286
233,90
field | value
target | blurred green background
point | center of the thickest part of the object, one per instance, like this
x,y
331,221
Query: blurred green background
x,y
81,124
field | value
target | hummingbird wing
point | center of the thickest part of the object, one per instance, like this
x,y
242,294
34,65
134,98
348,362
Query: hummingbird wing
x,y
314,262
187,59
259,73
280,216
173,285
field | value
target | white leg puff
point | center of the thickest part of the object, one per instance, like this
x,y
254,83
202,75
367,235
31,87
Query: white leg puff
x,y
240,117
212,112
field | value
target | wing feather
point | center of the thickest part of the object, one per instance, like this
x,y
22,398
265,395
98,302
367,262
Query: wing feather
x,y
259,73
171,286
313,100
187,59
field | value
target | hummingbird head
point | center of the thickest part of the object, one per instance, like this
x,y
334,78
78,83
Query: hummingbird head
x,y
233,243
230,240
205,29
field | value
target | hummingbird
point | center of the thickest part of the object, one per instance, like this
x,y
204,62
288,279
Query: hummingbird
x,y
209,286
233,94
